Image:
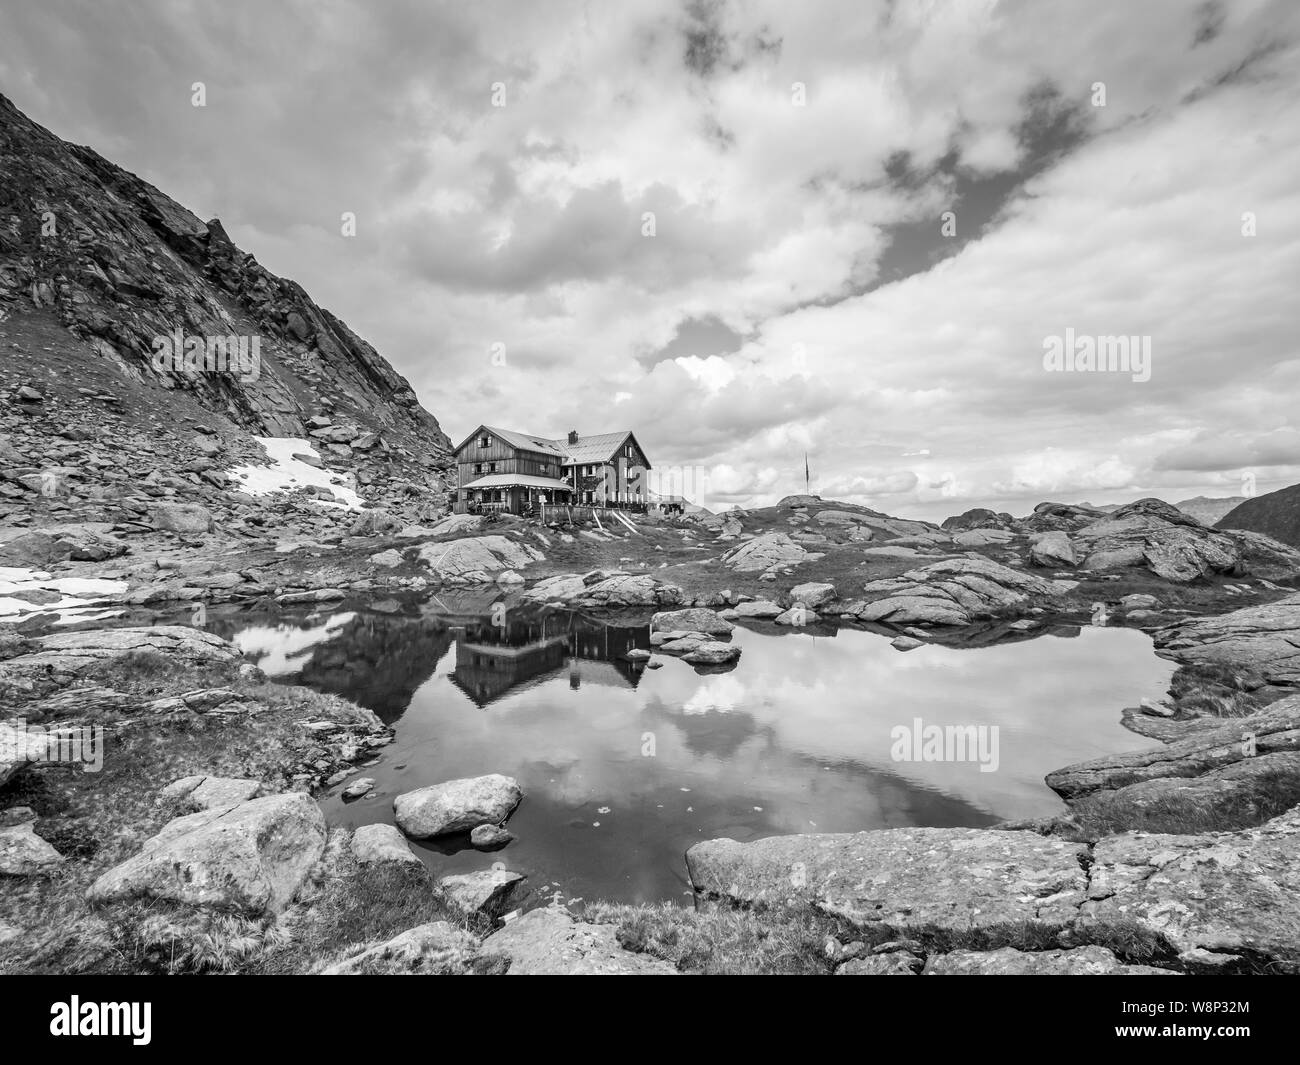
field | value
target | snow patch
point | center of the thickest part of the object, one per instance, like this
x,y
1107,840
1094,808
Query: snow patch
x,y
76,594
287,473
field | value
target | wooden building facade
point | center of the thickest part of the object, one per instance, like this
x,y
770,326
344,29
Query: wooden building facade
x,y
501,469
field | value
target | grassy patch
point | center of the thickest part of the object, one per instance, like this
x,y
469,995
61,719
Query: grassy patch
x,y
723,940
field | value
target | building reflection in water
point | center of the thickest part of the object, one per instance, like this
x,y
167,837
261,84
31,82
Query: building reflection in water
x,y
492,659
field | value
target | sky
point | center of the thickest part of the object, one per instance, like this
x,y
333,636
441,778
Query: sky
x,y
753,230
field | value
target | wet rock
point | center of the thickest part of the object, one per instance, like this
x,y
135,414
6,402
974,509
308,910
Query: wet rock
x,y
550,942
359,787
456,805
487,892
490,837
711,653
905,643
251,857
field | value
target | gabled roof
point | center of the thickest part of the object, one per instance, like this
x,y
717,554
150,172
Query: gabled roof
x,y
593,448
523,441
598,448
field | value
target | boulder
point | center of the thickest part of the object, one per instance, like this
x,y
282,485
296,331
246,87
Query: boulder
x,y
628,590
206,792
490,837
375,844
486,892
761,609
472,558
185,518
765,552
711,653
812,595
251,857
456,805
1052,550
24,853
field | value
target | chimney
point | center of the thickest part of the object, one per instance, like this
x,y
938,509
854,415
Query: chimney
x,y
573,436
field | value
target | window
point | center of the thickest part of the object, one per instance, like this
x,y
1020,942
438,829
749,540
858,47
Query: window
x,y
545,469
492,467
478,467
485,441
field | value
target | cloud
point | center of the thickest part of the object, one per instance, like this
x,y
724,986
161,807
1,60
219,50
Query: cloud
x,y
797,165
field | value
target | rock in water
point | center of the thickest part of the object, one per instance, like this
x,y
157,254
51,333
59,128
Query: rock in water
x,y
456,805
692,619
490,837
251,857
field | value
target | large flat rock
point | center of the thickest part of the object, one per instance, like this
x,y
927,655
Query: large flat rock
x,y
64,655
550,942
1234,894
906,879
1080,961
1275,729
1264,637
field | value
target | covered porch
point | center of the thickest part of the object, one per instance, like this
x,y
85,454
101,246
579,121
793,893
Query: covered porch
x,y
511,493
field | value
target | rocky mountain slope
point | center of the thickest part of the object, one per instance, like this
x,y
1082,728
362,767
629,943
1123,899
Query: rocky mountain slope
x,y
122,313
1209,509
1276,514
